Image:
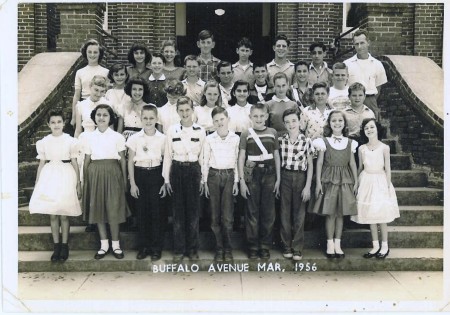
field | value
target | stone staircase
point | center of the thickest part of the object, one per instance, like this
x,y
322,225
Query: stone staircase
x,y
415,239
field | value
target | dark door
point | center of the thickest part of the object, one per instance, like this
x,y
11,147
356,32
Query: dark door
x,y
237,21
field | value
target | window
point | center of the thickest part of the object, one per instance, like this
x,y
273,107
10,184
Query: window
x,y
350,18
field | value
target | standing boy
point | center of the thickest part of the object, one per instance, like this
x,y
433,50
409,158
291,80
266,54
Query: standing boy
x,y
365,69
280,63
208,63
226,76
338,97
145,155
259,178
318,69
194,85
279,103
243,69
262,89
295,188
220,179
182,170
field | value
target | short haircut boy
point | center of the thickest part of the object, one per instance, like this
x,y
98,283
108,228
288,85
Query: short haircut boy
x,y
361,31
150,108
260,106
318,44
223,64
321,85
356,87
185,100
291,111
90,42
259,64
280,75
245,42
301,63
191,58
281,37
340,66
219,110
205,34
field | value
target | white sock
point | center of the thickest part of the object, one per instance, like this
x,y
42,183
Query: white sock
x,y
376,247
337,246
330,247
384,248
116,245
104,246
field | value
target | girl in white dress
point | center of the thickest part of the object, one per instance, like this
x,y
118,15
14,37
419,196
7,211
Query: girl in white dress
x,y
116,96
57,188
376,199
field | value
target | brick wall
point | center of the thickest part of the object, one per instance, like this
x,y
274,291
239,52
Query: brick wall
x,y
164,27
26,38
53,26
428,31
420,132
40,27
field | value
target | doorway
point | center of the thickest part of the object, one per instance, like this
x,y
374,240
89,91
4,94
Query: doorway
x,y
229,22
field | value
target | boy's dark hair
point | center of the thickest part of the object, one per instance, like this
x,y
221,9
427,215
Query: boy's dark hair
x,y
291,111
138,81
261,106
233,100
356,87
339,66
205,34
191,58
55,113
159,55
380,130
301,63
281,37
219,110
244,42
90,42
112,115
150,108
224,64
327,132
361,31
185,100
116,68
321,85
317,44
175,87
259,64
138,46
280,75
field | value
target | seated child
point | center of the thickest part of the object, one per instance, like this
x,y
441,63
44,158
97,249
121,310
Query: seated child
x,y
220,180
194,85
259,177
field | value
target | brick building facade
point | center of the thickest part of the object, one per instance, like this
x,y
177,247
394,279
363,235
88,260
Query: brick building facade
x,y
401,28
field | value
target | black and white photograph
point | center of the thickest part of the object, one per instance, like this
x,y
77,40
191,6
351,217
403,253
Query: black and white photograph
x,y
224,157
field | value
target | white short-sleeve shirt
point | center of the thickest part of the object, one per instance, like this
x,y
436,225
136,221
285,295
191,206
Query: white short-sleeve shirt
x,y
83,78
104,145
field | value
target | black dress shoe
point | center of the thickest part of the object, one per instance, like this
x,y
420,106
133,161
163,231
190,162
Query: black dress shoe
x,y
101,254
382,256
339,255
369,255
64,252
330,256
118,253
56,252
142,254
264,253
156,256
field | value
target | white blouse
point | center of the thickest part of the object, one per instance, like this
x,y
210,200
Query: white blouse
x,y
104,145
85,109
239,117
147,148
117,98
204,119
60,148
319,144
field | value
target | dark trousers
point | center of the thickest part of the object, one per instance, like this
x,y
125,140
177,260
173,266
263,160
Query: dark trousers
x,y
185,181
260,214
292,211
371,102
148,207
220,184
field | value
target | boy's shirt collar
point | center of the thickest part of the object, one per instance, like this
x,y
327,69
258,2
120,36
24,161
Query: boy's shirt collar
x,y
199,82
350,108
300,136
238,65
276,99
273,63
215,134
161,78
324,66
141,133
355,58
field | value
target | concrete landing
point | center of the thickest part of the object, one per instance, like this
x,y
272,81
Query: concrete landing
x,y
39,77
425,78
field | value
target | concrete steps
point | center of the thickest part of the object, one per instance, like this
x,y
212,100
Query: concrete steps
x,y
399,259
32,238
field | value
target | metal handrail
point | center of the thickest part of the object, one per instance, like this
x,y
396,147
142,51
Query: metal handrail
x,y
336,45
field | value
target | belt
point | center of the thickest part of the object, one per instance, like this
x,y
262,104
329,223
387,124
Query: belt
x,y
293,171
64,161
371,95
132,128
175,162
209,132
225,170
264,165
148,168
259,158
146,164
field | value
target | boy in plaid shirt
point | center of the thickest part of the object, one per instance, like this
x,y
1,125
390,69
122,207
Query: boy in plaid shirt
x,y
295,187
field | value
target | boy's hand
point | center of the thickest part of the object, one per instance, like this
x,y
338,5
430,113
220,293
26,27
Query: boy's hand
x,y
355,188
168,188
79,190
276,189
72,121
319,189
206,190
134,191
244,190
163,191
201,189
235,189
306,194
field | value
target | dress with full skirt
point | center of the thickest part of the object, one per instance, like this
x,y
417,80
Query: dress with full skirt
x,y
376,200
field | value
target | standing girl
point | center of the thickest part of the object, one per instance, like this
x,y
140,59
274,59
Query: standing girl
x,y
130,113
57,188
117,96
239,109
376,199
336,180
171,71
211,98
105,180
139,56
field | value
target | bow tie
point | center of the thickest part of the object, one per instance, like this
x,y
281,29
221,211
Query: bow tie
x,y
336,139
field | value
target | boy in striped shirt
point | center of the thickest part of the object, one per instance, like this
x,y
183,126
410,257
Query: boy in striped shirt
x,y
295,187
